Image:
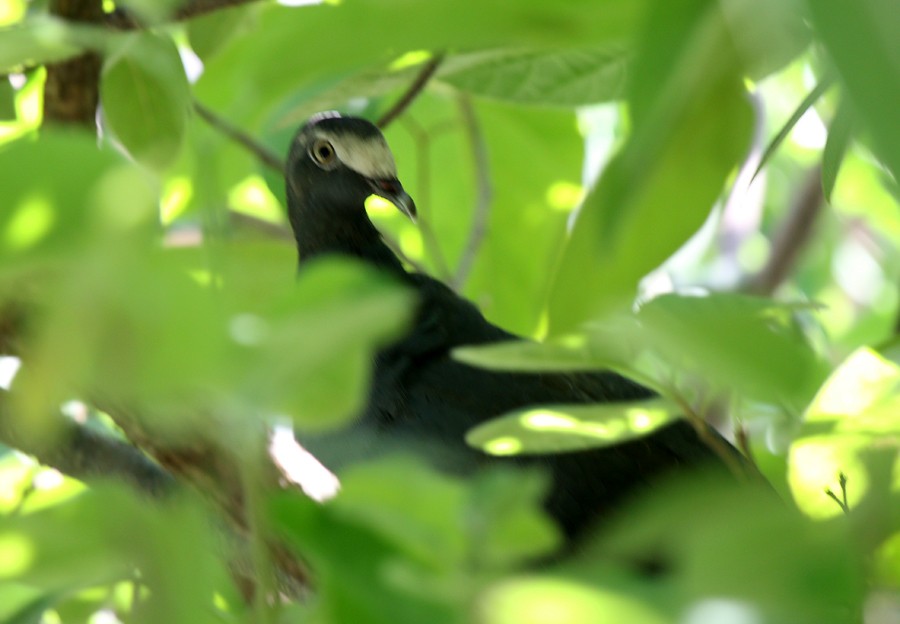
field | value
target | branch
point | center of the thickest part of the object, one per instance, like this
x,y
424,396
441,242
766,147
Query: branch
x,y
72,87
266,156
414,89
83,453
423,164
125,20
484,196
793,235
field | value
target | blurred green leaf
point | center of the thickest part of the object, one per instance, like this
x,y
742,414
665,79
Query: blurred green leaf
x,y
361,576
33,612
692,125
856,412
536,599
50,216
840,133
767,34
312,355
861,40
742,344
546,77
432,530
213,31
506,519
43,39
151,335
146,98
564,428
7,100
736,551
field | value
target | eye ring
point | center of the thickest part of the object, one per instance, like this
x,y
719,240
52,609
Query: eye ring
x,y
322,153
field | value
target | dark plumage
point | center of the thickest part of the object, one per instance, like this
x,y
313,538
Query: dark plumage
x,y
419,393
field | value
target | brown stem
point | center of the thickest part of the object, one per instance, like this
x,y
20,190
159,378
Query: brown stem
x,y
124,20
792,237
72,88
83,453
414,89
237,135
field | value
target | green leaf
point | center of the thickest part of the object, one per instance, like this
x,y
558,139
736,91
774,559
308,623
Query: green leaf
x,y
527,599
311,355
568,354
710,537
50,216
432,531
145,97
33,612
360,575
7,100
767,34
811,98
741,344
286,49
840,133
564,428
692,126
861,40
506,519
44,39
213,31
546,77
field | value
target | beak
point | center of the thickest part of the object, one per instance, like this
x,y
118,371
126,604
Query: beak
x,y
392,190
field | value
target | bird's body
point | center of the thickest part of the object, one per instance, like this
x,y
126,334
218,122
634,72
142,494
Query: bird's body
x,y
419,392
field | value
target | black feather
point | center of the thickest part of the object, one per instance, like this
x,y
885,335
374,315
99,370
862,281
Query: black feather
x,y
420,394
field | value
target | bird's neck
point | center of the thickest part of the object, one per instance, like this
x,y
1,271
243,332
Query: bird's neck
x,y
348,233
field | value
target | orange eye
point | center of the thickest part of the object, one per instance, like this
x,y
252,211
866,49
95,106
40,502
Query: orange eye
x,y
322,152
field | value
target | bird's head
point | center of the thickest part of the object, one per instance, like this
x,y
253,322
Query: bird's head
x,y
336,162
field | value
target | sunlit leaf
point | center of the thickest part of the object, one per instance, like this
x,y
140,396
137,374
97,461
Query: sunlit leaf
x,y
538,599
562,428
855,413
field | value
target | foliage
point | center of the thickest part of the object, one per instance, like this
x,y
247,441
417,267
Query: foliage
x,y
145,286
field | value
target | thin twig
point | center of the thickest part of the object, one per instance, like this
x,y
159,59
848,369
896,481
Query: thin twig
x,y
793,235
414,89
484,196
234,133
842,500
714,442
421,138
